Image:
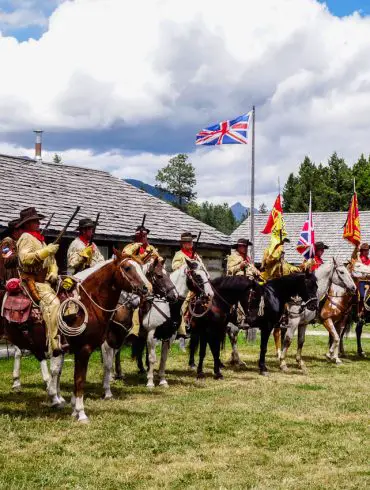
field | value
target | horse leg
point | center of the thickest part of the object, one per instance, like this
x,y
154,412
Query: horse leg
x,y
359,327
60,397
202,355
139,359
277,339
152,358
56,364
301,339
288,337
332,355
107,355
81,362
214,344
233,333
193,345
265,335
45,372
118,366
17,369
162,365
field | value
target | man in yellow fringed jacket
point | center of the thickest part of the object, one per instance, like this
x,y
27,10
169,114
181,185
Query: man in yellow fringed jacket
x,y
81,254
39,271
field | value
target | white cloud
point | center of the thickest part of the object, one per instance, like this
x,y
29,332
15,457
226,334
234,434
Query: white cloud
x,y
104,62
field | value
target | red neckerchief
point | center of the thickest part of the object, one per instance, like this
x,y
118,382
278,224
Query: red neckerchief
x,y
188,253
365,260
37,235
245,257
84,240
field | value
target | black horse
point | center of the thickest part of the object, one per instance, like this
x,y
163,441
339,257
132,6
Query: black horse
x,y
276,293
208,324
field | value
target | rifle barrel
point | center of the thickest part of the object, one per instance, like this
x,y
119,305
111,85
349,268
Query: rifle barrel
x,y
59,237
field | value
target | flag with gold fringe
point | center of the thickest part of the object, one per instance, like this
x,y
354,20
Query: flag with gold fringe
x,y
352,229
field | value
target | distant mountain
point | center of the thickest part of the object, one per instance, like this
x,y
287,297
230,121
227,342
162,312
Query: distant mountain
x,y
152,190
239,210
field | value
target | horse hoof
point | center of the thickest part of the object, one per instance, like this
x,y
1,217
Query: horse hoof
x,y
107,397
17,389
361,354
57,406
201,376
337,361
150,385
218,376
328,357
120,377
62,401
84,420
192,367
284,368
74,414
163,383
263,372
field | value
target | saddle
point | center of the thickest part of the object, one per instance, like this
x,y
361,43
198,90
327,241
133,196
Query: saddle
x,y
16,305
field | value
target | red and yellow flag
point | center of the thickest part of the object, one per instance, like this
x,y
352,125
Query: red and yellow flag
x,y
352,229
276,225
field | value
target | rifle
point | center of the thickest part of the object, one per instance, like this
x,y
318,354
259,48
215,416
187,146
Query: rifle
x,y
195,246
59,237
95,225
143,222
47,224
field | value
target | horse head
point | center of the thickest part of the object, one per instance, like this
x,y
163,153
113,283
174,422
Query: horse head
x,y
156,273
129,275
359,271
198,279
341,276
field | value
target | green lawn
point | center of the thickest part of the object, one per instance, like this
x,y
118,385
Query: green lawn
x,y
287,431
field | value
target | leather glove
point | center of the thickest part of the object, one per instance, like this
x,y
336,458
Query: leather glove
x,y
87,252
52,278
50,249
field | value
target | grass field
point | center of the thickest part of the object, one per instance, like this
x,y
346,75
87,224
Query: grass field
x,y
287,431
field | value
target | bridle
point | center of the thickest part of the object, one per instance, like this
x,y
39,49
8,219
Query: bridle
x,y
135,289
153,277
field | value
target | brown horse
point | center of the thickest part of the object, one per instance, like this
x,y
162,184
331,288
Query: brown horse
x,y
99,291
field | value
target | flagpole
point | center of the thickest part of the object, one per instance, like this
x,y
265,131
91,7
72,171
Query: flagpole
x,y
252,183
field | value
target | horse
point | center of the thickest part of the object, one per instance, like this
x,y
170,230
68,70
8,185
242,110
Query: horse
x,y
337,287
276,294
360,272
99,289
163,290
209,326
161,319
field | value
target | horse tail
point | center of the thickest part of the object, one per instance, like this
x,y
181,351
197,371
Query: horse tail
x,y
137,348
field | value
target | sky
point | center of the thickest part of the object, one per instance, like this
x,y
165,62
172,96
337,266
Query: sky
x,y
123,86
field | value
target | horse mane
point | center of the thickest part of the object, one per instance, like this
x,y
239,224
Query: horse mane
x,y
286,280
88,272
232,283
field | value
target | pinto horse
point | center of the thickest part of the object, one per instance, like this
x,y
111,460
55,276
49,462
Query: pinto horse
x,y
163,291
99,291
209,326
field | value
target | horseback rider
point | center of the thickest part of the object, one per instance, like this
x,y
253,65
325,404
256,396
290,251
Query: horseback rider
x,y
82,252
317,261
274,264
8,252
361,254
238,262
185,253
39,271
142,250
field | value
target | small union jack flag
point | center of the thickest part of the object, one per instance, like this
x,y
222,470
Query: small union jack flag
x,y
233,132
306,242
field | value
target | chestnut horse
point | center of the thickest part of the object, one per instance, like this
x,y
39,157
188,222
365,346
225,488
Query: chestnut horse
x,y
99,291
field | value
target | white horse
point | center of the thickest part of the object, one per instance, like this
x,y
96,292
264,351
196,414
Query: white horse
x,y
330,276
158,314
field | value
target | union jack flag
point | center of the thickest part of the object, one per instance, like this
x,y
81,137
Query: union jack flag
x,y
306,242
226,132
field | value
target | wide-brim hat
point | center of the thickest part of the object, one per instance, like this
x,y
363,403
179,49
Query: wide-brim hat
x,y
321,246
364,246
11,227
187,236
242,241
86,223
28,214
141,229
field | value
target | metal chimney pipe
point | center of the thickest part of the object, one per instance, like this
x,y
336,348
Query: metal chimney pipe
x,y
38,145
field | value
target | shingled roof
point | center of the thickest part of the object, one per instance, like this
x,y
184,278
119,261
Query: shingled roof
x,y
328,229
60,188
